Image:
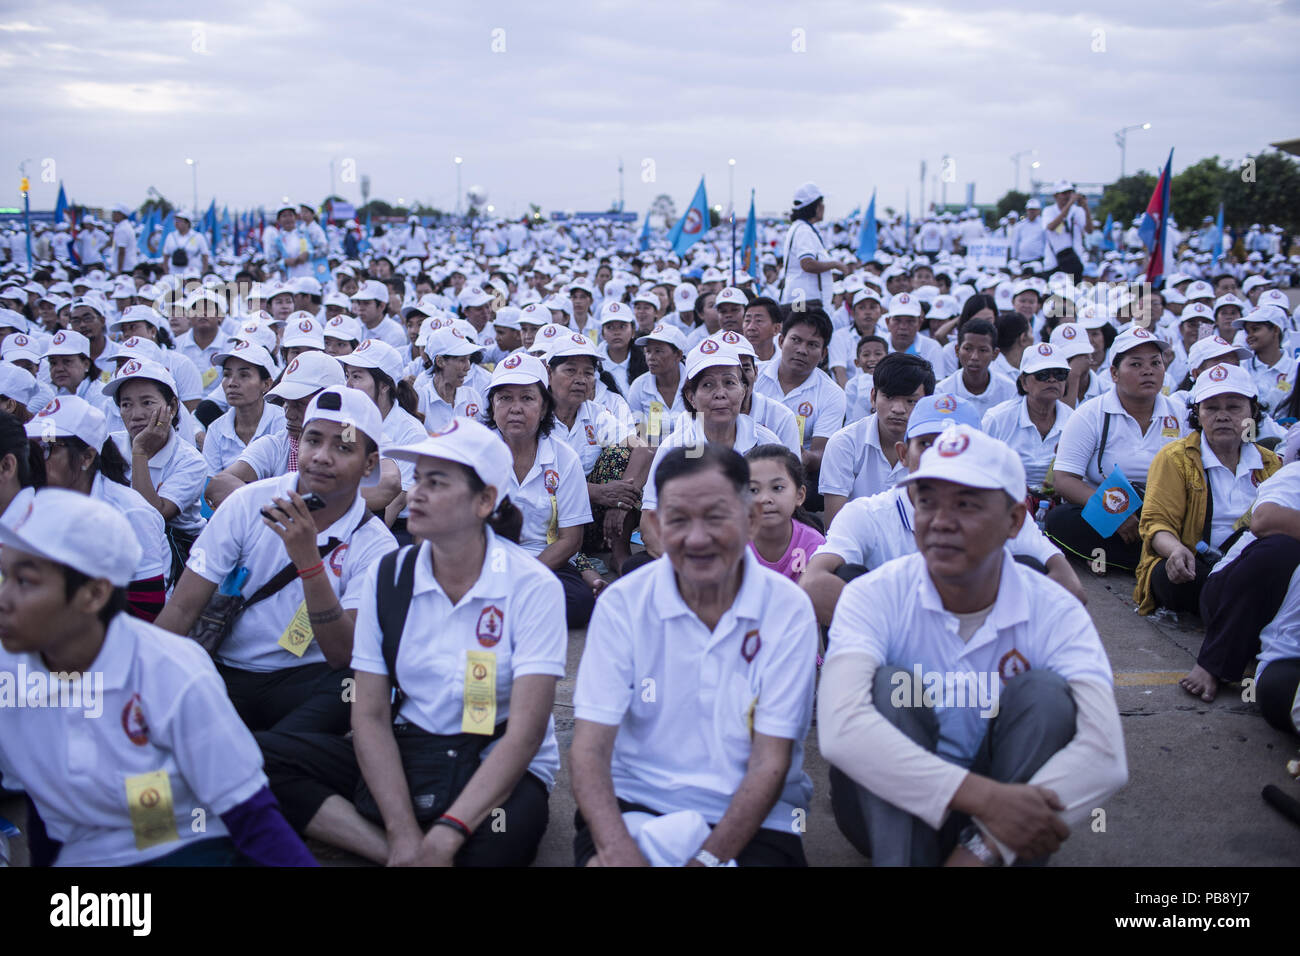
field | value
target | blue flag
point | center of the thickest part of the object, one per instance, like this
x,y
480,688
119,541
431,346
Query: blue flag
x,y
150,224
867,237
61,207
1111,504
1107,243
749,247
168,227
693,224
210,224
1218,236
1155,224
907,230
645,233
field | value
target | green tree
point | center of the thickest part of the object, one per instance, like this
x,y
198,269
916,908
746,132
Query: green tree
x,y
1012,201
1125,198
377,207
161,204
1197,191
1264,188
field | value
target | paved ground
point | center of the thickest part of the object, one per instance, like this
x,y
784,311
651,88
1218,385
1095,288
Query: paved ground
x,y
1195,769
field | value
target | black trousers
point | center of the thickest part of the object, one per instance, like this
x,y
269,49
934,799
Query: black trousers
x,y
306,768
1179,597
1065,526
1237,603
304,699
1276,693
579,600
767,848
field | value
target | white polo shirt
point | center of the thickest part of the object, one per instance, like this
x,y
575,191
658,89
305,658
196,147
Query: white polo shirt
x,y
687,699
854,463
1233,493
871,531
268,455
178,473
1126,445
515,610
1280,488
237,537
818,403
189,384
1009,422
646,402
771,414
924,346
388,330
469,403
617,370
999,390
843,351
552,496
594,429
689,434
146,522
402,428
896,616
209,374
162,708
222,446
1274,382
802,241
857,398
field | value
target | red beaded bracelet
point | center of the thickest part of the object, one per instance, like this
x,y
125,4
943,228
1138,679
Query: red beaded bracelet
x,y
447,820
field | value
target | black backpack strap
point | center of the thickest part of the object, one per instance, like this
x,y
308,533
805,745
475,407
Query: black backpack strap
x,y
1101,449
392,602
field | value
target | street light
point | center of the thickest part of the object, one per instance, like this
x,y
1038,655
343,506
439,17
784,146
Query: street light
x,y
1015,158
194,167
731,207
458,162
1121,138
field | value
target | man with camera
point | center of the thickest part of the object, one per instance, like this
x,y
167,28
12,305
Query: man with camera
x,y
1069,222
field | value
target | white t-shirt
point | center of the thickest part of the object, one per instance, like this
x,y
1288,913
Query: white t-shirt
x,y
817,402
196,247
687,699
162,708
552,496
803,242
690,434
515,611
178,473
649,409
1126,445
1068,234
268,455
1009,422
146,522
222,447
854,464
124,239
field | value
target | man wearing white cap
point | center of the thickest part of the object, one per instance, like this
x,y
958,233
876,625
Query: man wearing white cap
x,y
371,303
124,242
991,724
103,791
806,274
302,544
1067,224
287,247
1273,370
186,252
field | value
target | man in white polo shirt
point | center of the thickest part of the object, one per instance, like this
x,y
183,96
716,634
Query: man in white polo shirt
x,y
991,727
371,303
303,543
904,323
691,719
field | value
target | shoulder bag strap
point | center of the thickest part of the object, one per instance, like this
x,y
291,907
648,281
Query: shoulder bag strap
x,y
393,601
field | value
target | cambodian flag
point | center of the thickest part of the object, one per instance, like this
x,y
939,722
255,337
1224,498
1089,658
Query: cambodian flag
x,y
693,224
1155,225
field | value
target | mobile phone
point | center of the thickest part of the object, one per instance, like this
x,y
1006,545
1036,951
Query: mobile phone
x,y
313,501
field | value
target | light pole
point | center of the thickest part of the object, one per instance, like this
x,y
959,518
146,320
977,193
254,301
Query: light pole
x,y
194,167
458,162
1121,138
1015,158
731,204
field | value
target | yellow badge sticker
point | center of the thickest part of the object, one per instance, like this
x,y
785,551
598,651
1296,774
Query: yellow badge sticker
x,y
553,528
802,420
480,714
654,423
149,798
209,376
297,636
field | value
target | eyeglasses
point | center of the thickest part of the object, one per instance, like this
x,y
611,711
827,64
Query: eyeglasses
x,y
48,447
1052,375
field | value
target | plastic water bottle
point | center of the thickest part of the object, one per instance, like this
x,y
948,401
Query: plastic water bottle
x,y
1040,516
1209,555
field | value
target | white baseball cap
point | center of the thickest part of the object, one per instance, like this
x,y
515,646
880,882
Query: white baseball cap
x,y
1223,380
1036,358
1199,289
1254,281
469,443
710,354
371,290
736,341
1213,347
67,416
17,383
136,370
616,312
684,297
54,525
249,352
255,332
1062,186
345,328
301,330
966,456
448,341
470,298
1069,340
806,195
1130,339
1274,297
308,373
574,344
904,304
146,350
507,317
348,406
1198,311
68,342
520,369
731,296
137,313
535,313
1269,314
18,346
668,334
373,353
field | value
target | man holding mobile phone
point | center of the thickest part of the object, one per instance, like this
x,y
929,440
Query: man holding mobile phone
x,y
1067,224
309,532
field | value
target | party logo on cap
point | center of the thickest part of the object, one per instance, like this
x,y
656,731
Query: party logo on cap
x,y
1141,333
130,368
730,337
364,346
1068,331
658,327
133,722
950,446
512,361
945,403
1115,500
1045,350
59,338
550,332
21,340
491,622
241,344
49,409
306,325
614,307
708,346
293,367
903,298
551,480
1011,664
750,646
131,343
1218,373
455,423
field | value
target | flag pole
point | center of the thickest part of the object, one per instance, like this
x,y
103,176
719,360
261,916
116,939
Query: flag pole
x,y
731,202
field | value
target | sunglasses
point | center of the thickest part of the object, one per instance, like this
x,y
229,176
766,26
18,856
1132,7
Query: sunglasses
x,y
1052,375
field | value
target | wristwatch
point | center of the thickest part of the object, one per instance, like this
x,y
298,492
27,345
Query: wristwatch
x,y
707,858
973,840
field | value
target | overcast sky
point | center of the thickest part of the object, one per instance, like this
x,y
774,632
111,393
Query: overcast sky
x,y
541,100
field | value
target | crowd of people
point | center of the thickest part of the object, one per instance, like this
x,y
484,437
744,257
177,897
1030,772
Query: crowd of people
x,y
321,517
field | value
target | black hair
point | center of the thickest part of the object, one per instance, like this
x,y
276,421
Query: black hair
x,y
507,521
14,441
1011,326
978,327
108,460
817,318
976,303
1194,420
772,307
636,363
693,383
548,410
806,213
403,393
168,397
74,579
794,468
682,462
900,373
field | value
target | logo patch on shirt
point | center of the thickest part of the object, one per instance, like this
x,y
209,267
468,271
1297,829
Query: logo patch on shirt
x,y
133,723
491,622
336,560
805,409
1171,422
591,435
750,646
1012,663
551,479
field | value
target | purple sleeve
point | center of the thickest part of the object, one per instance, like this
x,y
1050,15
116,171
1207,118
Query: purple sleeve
x,y
261,833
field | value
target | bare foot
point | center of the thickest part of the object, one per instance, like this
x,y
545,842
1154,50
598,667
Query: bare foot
x,y
1200,683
